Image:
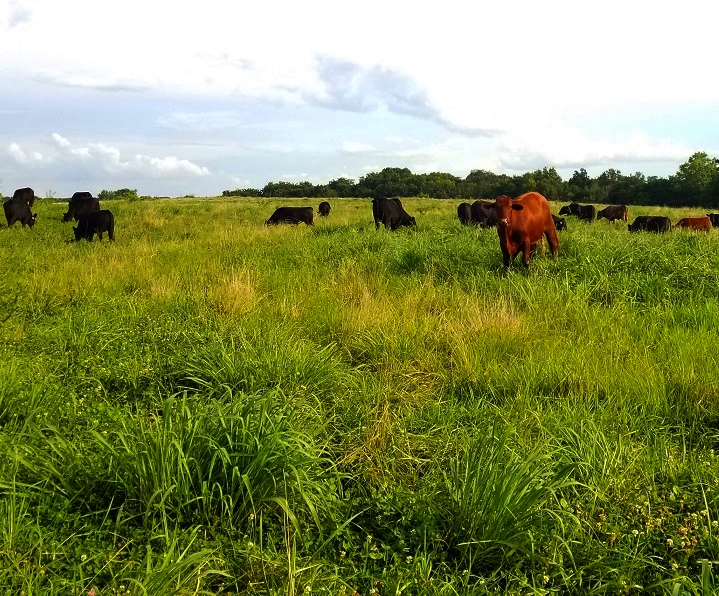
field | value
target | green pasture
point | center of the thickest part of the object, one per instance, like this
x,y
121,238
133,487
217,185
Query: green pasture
x,y
212,406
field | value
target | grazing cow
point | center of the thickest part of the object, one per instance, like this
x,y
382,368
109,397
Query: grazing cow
x,y
714,218
650,223
93,222
391,213
559,223
614,212
291,215
483,214
18,210
703,224
464,212
521,223
25,194
81,202
583,212
324,209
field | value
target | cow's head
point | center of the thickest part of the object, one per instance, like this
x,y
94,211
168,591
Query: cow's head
x,y
31,223
503,207
66,217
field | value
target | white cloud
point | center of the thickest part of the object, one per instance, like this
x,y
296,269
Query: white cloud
x,y
109,160
356,147
571,148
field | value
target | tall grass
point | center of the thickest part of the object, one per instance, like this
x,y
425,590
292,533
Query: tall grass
x,y
307,408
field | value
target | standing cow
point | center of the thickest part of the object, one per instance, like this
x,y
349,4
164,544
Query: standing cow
x,y
714,218
391,213
18,210
483,214
324,209
650,223
291,215
521,223
464,213
702,224
613,212
583,212
81,202
95,222
26,194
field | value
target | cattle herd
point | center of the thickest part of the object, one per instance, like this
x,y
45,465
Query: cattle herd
x,y
83,208
521,223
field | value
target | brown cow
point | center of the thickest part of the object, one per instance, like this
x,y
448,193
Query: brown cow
x,y
614,212
521,223
703,224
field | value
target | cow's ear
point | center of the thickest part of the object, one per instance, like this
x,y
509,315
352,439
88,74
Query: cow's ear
x,y
517,206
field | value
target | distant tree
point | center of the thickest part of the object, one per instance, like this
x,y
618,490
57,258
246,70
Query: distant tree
x,y
344,187
289,189
242,192
545,181
128,194
696,181
390,182
438,185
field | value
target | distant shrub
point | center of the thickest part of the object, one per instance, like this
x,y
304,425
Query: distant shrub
x,y
242,192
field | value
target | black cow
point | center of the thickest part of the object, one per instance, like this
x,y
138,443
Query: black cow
x,y
614,212
583,212
714,218
651,223
93,222
324,209
464,212
25,194
81,202
18,210
391,213
484,214
292,215
559,223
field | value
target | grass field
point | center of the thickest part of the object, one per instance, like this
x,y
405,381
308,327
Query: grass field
x,y
209,405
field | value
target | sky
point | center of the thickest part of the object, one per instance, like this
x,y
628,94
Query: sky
x,y
178,98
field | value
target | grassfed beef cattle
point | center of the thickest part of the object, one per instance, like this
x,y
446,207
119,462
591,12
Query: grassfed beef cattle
x,y
18,210
25,194
702,224
484,214
291,215
650,223
714,218
583,212
614,212
521,223
464,212
95,222
81,202
559,223
391,213
324,209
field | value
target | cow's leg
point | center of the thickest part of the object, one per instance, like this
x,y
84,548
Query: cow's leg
x,y
506,258
526,250
551,235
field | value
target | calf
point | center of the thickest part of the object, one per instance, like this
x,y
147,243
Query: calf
x,y
464,212
703,224
18,210
391,213
650,223
291,215
25,194
94,222
521,223
614,212
484,214
324,209
559,223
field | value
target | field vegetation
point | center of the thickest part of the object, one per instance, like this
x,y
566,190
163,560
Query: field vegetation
x,y
209,405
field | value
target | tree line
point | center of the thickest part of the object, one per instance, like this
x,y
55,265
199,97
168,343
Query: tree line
x,y
695,184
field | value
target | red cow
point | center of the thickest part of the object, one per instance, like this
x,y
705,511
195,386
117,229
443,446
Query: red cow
x,y
695,223
521,223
